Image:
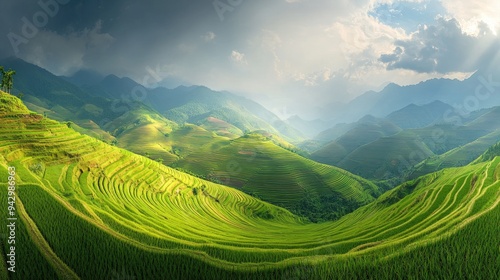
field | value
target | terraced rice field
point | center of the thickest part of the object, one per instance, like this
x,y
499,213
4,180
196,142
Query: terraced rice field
x,y
94,211
257,166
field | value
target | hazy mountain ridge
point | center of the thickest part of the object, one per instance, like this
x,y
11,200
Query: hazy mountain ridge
x,y
476,92
417,151
195,104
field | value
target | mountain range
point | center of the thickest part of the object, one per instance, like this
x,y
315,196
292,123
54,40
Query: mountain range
x,y
192,183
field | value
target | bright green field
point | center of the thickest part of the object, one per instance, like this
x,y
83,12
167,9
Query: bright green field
x,y
258,163
94,211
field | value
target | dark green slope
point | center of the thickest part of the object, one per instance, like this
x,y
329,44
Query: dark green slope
x,y
459,156
61,99
414,152
386,158
365,131
415,116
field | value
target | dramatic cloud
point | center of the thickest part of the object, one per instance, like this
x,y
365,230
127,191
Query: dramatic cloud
x,y
470,14
66,54
298,54
442,48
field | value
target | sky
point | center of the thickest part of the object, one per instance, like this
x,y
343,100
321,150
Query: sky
x,y
292,56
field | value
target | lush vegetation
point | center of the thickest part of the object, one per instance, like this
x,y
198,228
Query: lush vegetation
x,y
258,163
106,213
375,149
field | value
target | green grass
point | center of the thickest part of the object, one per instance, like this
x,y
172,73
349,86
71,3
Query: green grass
x,y
259,163
257,166
385,160
459,156
29,260
362,133
106,212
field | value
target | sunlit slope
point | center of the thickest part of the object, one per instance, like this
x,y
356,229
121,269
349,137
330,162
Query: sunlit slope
x,y
145,132
256,165
260,164
134,217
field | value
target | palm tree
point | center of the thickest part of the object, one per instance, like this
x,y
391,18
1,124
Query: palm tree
x,y
9,80
2,85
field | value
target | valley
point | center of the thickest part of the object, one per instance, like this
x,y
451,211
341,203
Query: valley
x,y
75,189
235,140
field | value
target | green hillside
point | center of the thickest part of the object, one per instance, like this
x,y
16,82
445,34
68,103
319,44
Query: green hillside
x,y
201,106
196,104
220,127
256,165
143,131
58,98
411,152
417,116
135,218
459,156
386,158
363,132
259,163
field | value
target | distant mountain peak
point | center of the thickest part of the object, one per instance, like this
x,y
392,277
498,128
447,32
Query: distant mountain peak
x,y
392,86
368,118
85,77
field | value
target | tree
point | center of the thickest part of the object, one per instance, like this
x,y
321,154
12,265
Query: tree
x,y
2,84
9,80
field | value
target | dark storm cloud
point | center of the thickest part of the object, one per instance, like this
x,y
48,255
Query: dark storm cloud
x,y
278,52
139,30
443,48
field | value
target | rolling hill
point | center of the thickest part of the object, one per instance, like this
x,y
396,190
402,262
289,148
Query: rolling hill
x,y
200,105
196,104
414,116
365,131
92,103
459,156
411,153
258,163
135,218
59,99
